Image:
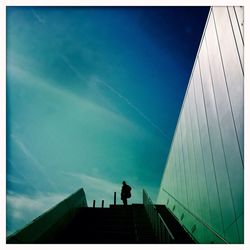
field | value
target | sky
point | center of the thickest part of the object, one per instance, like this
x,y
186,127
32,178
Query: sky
x,y
93,98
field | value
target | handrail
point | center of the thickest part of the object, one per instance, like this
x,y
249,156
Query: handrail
x,y
171,235
196,217
160,228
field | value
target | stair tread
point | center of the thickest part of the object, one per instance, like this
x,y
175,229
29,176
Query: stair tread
x,y
118,224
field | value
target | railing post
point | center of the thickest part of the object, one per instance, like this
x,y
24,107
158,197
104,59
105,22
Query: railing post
x,y
160,230
157,224
114,198
164,235
102,203
93,203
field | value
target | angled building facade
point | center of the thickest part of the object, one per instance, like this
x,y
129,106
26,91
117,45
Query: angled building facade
x,y
203,181
202,189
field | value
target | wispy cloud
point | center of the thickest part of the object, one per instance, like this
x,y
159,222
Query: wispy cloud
x,y
131,105
109,87
116,93
34,160
38,18
39,202
30,78
96,182
14,179
22,209
97,188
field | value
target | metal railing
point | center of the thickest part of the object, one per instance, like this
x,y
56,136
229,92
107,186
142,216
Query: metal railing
x,y
160,228
197,218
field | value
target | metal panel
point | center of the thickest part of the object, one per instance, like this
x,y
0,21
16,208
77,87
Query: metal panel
x,y
237,35
178,170
189,146
186,159
231,151
231,233
213,194
194,135
174,190
185,170
239,11
240,224
213,110
168,184
193,178
184,194
171,182
231,67
165,177
201,177
175,183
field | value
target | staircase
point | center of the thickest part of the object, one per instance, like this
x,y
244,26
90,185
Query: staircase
x,y
180,235
71,221
108,225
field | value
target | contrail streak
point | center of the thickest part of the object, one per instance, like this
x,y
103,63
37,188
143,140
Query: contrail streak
x,y
68,63
117,93
39,19
125,99
138,111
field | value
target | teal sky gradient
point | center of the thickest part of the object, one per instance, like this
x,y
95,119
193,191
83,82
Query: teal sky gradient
x,y
93,96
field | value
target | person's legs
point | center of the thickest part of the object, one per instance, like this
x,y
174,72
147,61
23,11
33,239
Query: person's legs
x,y
125,201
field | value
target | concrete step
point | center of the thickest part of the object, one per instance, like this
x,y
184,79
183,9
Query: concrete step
x,y
108,225
144,230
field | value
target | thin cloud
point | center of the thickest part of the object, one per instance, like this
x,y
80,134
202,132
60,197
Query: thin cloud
x,y
38,18
32,158
31,79
39,202
136,109
22,209
109,87
14,179
97,188
17,180
117,93
95,182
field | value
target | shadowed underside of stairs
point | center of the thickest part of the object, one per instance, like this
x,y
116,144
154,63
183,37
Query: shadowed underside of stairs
x,y
117,224
180,235
108,225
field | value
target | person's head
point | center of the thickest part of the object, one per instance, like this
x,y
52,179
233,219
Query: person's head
x,y
124,182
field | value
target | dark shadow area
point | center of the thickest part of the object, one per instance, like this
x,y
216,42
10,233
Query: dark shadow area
x,y
181,236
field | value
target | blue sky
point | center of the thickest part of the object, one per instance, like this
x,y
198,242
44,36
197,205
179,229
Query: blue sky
x,y
93,97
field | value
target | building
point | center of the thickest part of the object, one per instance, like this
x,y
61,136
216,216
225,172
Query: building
x,y
203,181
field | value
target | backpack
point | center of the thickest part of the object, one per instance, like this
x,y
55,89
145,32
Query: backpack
x,y
128,191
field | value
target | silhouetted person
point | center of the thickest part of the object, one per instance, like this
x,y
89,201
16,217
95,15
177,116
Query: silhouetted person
x,y
125,193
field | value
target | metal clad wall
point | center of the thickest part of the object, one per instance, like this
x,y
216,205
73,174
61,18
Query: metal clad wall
x,y
203,182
